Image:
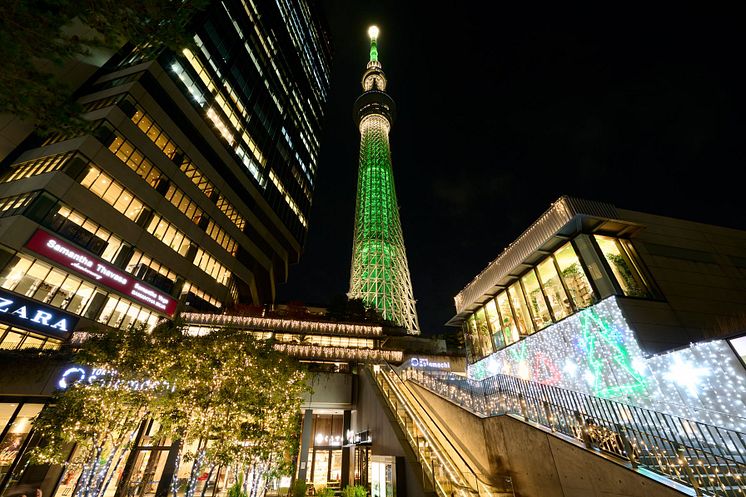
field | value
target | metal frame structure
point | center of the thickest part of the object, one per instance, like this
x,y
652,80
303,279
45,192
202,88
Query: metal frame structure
x,y
380,273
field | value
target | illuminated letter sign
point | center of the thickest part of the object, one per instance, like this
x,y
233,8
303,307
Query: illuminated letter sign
x,y
33,315
103,273
425,363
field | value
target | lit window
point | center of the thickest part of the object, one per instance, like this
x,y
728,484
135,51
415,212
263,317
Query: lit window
x,y
623,266
553,289
576,281
536,302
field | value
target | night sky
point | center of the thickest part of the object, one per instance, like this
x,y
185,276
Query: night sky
x,y
501,112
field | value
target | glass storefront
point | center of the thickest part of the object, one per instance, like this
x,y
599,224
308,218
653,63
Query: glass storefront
x,y
556,288
16,420
325,453
382,476
14,338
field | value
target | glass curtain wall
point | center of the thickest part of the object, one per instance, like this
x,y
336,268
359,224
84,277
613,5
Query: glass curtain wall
x,y
556,288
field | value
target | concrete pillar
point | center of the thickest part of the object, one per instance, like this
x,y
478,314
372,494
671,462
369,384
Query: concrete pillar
x,y
305,443
346,449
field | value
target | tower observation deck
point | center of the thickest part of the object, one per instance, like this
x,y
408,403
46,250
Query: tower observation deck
x,y
380,273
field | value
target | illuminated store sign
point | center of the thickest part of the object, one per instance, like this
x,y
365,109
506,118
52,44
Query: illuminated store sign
x,y
425,363
83,263
29,314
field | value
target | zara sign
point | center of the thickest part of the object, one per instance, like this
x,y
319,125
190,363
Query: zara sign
x,y
29,314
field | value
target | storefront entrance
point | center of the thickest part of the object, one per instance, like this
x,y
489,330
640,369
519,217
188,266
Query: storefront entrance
x,y
382,476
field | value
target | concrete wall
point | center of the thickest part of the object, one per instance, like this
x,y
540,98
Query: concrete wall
x,y
539,463
330,391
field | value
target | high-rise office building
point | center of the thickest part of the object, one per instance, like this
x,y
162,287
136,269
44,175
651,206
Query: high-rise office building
x,y
380,273
192,189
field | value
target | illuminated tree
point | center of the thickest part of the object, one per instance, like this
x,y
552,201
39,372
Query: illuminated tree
x,y
100,412
227,399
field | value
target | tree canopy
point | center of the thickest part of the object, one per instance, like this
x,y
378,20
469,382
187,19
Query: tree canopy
x,y
227,399
38,35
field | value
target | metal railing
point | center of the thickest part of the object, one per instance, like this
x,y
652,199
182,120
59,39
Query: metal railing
x,y
449,477
709,459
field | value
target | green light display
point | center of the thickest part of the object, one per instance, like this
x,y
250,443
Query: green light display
x,y
380,273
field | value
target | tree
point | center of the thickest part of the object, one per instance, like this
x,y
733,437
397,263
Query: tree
x,y
236,404
100,413
227,399
38,35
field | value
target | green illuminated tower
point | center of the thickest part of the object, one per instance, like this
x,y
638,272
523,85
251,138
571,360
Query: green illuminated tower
x,y
380,273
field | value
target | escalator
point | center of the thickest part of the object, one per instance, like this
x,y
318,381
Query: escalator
x,y
447,470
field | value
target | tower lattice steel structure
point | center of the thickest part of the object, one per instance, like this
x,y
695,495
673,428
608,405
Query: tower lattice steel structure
x,y
380,273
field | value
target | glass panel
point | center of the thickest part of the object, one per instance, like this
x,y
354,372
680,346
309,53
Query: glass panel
x,y
576,281
622,266
554,290
470,332
483,334
13,273
16,436
12,340
320,467
493,319
522,316
539,309
509,328
33,342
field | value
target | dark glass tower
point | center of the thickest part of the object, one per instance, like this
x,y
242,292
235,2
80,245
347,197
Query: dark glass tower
x,y
193,189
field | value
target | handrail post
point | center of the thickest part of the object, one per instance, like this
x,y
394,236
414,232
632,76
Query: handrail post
x,y
583,430
548,414
524,407
688,470
627,446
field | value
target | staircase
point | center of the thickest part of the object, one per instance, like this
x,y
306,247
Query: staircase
x,y
710,460
444,467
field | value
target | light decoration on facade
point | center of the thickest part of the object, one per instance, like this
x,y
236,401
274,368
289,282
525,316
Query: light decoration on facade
x,y
686,374
596,352
339,353
277,324
380,271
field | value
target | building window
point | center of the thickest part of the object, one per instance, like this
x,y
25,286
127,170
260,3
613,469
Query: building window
x,y
508,326
576,281
554,290
79,229
135,160
15,423
37,166
536,302
493,320
522,314
168,234
12,338
211,266
112,193
185,205
154,132
121,313
484,341
10,206
622,265
38,280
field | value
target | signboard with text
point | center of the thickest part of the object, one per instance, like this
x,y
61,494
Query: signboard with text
x,y
29,314
88,265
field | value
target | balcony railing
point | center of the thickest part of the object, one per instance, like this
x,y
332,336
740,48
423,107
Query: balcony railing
x,y
709,459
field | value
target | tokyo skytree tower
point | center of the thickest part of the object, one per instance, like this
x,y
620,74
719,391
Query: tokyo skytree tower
x,y
380,273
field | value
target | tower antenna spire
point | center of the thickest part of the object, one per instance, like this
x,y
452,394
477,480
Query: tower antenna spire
x,y
373,34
